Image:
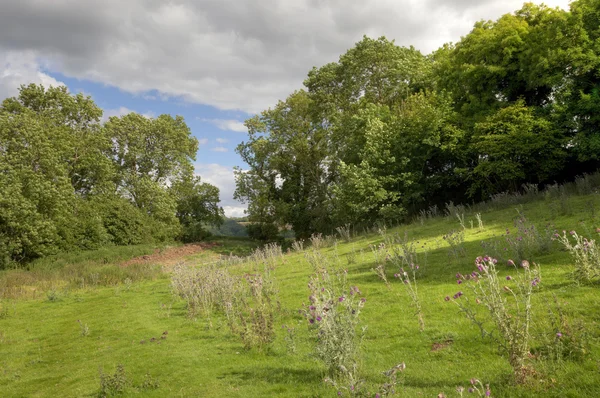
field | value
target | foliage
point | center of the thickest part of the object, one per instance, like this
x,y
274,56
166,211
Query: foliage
x,y
70,182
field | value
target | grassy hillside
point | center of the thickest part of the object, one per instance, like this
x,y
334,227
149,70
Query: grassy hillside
x,y
60,342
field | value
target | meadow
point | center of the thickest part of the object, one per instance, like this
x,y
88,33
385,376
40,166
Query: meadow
x,y
230,321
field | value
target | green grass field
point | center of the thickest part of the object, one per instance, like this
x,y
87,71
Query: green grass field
x,y
44,351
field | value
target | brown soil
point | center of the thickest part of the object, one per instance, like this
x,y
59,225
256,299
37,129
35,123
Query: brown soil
x,y
441,345
171,255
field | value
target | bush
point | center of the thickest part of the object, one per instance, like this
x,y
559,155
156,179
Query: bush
x,y
265,232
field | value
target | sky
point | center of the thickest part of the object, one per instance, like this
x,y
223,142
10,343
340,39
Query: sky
x,y
214,62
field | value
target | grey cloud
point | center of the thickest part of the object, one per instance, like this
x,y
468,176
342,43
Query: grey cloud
x,y
231,54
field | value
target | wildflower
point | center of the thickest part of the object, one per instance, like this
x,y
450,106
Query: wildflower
x,y
559,335
341,299
535,281
508,278
311,321
460,389
471,390
319,319
363,300
511,262
473,381
459,281
447,298
525,264
572,233
312,308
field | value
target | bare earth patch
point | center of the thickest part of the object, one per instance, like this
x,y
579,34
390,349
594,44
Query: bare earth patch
x,y
440,345
171,255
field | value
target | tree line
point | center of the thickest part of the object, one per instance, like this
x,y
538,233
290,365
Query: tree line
x,y
387,131
69,181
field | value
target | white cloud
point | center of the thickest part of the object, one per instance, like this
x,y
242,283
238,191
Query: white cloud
x,y
219,149
17,68
202,141
227,125
223,178
230,54
234,211
122,111
222,140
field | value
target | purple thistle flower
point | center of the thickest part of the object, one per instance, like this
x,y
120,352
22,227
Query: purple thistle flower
x,y
459,281
362,300
341,299
471,390
447,298
311,321
508,278
559,335
511,263
319,319
312,308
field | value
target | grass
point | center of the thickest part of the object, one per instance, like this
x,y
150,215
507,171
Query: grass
x,y
44,353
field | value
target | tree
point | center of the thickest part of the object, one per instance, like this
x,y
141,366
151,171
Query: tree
x,y
515,146
197,206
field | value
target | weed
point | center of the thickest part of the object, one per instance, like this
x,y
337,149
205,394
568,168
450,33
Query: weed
x,y
149,383
115,384
585,253
510,319
456,241
84,330
344,232
333,317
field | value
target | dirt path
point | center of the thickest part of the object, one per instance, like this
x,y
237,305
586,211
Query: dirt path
x,y
171,255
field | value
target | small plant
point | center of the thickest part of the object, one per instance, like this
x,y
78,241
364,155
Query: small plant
x,y
585,253
317,241
115,384
298,245
53,295
508,305
456,240
352,256
150,383
290,339
461,220
333,317
479,221
477,388
561,339
344,232
256,312
84,330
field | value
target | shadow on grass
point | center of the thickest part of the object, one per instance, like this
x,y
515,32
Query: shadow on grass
x,y
276,375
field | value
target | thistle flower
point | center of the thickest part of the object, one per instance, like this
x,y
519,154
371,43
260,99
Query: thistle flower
x,y
508,278
559,335
447,298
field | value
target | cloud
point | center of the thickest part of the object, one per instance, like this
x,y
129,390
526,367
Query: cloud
x,y
230,54
122,111
222,140
202,141
17,68
223,178
227,125
219,149
234,211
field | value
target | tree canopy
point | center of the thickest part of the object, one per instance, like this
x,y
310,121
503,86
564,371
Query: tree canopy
x,y
387,131
71,182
